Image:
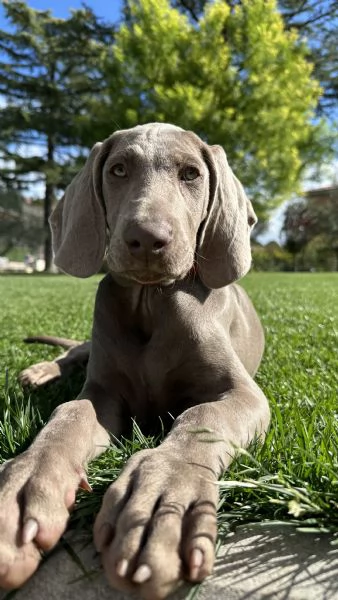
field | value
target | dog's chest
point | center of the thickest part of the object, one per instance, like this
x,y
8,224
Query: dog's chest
x,y
150,346
163,367
156,385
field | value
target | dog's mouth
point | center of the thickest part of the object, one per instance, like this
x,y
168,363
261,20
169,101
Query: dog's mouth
x,y
148,278
151,278
160,275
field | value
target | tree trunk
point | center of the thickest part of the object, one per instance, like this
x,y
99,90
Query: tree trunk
x,y
48,204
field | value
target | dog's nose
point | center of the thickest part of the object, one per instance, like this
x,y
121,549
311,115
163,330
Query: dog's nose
x,y
147,239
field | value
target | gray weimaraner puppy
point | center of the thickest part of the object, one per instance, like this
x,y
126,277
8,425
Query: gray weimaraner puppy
x,y
171,336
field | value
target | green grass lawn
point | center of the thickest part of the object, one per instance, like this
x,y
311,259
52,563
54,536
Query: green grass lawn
x,y
292,478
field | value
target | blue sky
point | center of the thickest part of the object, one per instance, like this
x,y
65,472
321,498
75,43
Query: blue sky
x,y
110,9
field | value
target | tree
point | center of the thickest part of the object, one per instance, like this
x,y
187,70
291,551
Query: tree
x,y
311,227
316,22
18,224
249,90
295,226
50,72
270,257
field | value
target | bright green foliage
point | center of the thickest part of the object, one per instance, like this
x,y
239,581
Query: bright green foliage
x,y
237,78
316,22
271,257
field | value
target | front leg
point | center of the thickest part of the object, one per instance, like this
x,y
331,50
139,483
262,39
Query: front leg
x,y
157,524
37,489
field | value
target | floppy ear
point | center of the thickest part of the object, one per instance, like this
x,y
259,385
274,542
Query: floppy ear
x,y
78,222
224,253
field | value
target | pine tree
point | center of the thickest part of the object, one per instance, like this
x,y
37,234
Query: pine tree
x,y
51,71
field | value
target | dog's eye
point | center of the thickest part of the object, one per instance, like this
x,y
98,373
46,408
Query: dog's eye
x,y
190,173
119,170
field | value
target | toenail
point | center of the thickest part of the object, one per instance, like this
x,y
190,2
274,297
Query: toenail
x,y
142,574
122,567
84,485
196,561
29,531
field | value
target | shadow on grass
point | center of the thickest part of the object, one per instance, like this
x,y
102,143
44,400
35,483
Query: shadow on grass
x,y
46,398
24,410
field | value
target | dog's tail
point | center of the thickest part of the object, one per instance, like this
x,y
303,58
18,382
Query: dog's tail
x,y
52,341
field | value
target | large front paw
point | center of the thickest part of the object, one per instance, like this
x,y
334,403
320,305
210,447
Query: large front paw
x,y
157,525
36,493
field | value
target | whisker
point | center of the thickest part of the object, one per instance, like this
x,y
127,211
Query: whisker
x,y
200,255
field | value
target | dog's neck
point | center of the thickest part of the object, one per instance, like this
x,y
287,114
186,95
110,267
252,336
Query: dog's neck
x,y
139,304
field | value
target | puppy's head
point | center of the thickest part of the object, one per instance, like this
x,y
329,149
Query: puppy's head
x,y
155,200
